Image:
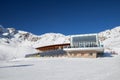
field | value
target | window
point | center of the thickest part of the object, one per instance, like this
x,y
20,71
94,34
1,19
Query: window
x,y
84,41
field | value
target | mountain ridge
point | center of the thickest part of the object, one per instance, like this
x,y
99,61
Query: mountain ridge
x,y
11,36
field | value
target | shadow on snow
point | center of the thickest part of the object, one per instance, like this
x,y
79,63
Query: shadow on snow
x,y
12,66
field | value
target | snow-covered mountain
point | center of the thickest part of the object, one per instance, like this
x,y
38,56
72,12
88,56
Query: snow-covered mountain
x,y
16,42
22,42
111,39
13,37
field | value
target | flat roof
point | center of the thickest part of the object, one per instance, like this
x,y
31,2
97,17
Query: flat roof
x,y
54,45
84,35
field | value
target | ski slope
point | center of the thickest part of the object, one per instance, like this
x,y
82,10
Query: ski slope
x,y
61,69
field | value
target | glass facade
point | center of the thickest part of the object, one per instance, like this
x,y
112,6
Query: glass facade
x,y
84,41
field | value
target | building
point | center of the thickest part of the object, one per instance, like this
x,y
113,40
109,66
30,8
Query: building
x,y
86,45
55,50
53,47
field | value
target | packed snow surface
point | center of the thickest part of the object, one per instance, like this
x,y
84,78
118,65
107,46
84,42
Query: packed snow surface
x,y
61,69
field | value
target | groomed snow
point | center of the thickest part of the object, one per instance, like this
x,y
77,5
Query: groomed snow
x,y
61,69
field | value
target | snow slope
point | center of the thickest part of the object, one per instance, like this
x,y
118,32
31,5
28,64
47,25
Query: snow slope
x,y
111,39
8,52
61,69
13,36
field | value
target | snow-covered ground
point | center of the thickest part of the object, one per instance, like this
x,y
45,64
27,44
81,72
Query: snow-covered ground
x,y
15,44
61,69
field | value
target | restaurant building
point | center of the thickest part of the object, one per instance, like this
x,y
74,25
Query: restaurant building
x,y
85,46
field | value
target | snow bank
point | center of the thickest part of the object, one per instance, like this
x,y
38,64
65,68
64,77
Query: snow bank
x,y
8,52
